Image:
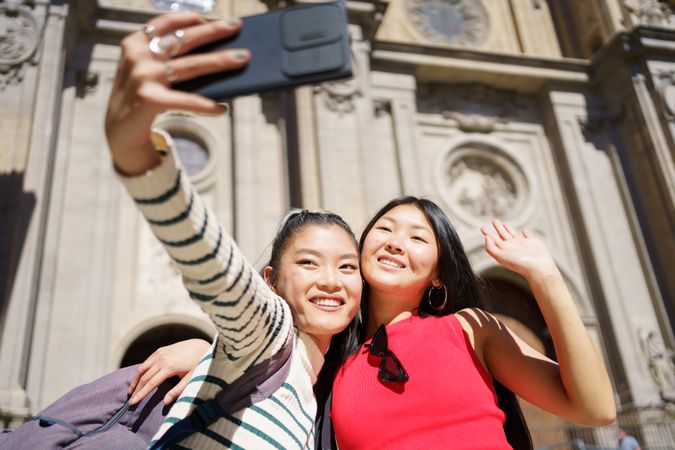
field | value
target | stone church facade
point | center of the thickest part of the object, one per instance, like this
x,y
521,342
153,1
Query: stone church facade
x,y
554,116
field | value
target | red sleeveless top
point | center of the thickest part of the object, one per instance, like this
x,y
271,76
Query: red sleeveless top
x,y
448,402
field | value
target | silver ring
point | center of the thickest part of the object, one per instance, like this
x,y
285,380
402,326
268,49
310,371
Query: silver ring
x,y
169,73
161,46
149,31
178,43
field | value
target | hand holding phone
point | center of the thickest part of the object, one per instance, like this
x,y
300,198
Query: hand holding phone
x,y
150,60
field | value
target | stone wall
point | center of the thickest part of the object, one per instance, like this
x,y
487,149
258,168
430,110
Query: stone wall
x,y
522,110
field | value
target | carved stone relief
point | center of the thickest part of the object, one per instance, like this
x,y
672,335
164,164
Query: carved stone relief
x,y
661,363
476,107
339,96
478,182
456,22
474,123
666,88
19,39
650,12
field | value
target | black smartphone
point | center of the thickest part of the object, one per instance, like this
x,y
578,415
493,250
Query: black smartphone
x,y
289,47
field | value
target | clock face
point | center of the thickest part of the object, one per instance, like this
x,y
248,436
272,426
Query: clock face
x,y
457,22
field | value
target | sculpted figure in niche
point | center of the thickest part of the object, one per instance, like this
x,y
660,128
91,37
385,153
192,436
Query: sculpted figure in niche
x,y
661,364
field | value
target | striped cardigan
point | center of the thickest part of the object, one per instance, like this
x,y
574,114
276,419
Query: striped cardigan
x,y
252,322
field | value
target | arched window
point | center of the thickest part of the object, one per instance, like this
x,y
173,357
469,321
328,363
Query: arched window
x,y
516,307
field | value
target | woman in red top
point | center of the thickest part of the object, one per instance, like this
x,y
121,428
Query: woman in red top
x,y
426,377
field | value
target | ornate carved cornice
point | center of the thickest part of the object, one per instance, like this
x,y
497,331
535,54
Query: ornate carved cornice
x,y
460,102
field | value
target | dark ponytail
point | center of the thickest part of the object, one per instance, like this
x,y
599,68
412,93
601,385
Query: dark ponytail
x,y
515,427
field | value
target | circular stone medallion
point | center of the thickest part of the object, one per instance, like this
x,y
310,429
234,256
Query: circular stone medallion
x,y
18,36
456,22
479,182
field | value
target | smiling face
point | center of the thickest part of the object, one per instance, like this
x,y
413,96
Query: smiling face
x,y
400,254
319,277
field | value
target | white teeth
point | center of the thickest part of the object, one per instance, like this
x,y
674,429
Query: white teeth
x,y
391,263
326,302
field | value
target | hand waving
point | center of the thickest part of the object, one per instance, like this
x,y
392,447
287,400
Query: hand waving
x,y
519,252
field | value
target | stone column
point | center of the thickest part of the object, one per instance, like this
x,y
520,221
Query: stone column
x,y
342,118
260,175
605,235
30,92
399,90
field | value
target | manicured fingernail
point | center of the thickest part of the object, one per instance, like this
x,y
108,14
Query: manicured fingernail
x,y
241,55
224,108
133,399
233,22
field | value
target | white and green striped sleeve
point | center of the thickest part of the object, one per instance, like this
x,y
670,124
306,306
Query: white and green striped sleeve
x,y
250,318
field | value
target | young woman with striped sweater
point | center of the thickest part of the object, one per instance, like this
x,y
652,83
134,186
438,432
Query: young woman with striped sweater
x,y
314,262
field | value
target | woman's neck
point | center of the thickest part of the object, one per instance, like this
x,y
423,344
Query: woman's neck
x,y
387,308
323,342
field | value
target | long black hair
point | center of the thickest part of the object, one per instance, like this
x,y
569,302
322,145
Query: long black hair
x,y
463,291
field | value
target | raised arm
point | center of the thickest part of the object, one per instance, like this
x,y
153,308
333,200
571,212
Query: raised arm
x,y
576,388
251,320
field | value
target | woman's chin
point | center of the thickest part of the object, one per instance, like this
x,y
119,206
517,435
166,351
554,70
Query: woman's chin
x,y
386,284
326,328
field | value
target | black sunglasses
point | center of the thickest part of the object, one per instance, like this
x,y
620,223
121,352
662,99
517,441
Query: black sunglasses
x,y
391,368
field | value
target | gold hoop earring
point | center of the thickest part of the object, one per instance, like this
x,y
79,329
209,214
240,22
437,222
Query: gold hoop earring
x,y
445,297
